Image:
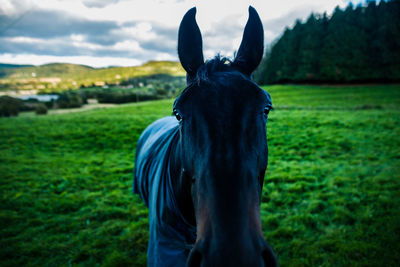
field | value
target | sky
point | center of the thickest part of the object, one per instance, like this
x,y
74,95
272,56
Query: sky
x,y
102,33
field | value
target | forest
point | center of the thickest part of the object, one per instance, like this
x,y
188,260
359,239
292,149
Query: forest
x,y
355,45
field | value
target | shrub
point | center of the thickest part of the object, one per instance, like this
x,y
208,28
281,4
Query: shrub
x,y
41,109
69,100
10,106
118,97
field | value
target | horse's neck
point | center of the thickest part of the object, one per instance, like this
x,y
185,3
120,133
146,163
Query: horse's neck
x,y
181,183
175,162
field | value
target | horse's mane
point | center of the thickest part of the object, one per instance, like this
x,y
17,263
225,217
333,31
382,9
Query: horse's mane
x,y
218,65
212,66
218,71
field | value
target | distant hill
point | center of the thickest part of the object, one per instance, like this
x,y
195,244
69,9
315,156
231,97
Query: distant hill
x,y
356,44
2,65
63,76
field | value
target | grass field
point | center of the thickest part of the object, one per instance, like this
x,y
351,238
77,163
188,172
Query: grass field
x,y
331,195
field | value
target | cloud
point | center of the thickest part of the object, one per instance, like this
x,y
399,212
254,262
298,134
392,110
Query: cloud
x,y
140,30
69,47
98,3
14,7
83,60
46,32
164,39
53,24
274,27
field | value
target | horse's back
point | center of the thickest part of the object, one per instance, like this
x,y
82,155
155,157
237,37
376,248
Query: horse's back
x,y
152,180
150,154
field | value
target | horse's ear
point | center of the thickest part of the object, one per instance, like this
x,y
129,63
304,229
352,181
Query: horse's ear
x,y
252,47
190,44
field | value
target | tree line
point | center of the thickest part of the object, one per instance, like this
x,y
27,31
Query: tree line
x,y
355,44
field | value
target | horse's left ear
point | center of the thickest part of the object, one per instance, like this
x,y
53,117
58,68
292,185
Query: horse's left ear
x,y
190,44
252,47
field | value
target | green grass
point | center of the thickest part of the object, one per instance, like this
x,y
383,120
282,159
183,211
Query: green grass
x,y
331,195
335,97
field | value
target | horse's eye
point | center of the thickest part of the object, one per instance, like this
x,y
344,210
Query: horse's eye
x,y
177,115
266,111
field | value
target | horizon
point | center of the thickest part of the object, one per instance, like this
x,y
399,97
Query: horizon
x,y
120,33
85,65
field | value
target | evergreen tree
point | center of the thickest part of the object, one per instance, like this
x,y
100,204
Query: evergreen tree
x,y
357,44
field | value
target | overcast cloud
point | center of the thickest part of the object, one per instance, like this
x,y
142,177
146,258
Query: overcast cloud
x,y
130,32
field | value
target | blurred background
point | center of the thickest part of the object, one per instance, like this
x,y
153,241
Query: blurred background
x,y
81,79
102,33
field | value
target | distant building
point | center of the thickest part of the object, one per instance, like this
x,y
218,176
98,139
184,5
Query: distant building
x,y
99,83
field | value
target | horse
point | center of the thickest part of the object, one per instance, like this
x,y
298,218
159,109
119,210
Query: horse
x,y
201,170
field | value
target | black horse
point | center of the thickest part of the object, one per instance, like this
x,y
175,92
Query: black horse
x,y
201,171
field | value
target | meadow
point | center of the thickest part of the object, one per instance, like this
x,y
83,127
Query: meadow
x,y
331,196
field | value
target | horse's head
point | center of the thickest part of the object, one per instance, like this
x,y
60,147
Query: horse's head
x,y
222,115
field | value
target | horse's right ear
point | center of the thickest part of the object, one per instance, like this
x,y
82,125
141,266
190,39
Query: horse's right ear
x,y
252,47
190,44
